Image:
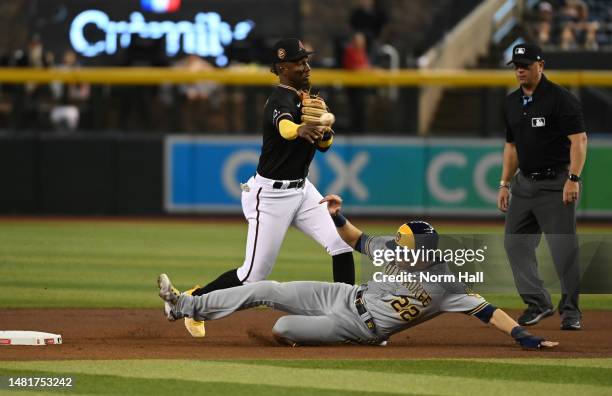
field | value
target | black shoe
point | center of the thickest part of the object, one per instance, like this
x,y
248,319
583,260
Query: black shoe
x,y
570,324
532,316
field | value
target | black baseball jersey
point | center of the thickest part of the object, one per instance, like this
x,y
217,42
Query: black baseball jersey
x,y
539,125
283,159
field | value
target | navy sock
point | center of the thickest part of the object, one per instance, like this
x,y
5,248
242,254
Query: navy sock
x,y
224,281
344,268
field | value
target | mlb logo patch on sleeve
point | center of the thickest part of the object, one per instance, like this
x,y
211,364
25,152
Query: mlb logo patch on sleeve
x,y
538,122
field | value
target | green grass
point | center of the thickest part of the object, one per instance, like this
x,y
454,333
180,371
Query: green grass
x,y
340,377
115,264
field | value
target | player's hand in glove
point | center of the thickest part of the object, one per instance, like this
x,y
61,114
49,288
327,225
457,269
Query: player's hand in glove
x,y
316,112
529,341
313,107
334,203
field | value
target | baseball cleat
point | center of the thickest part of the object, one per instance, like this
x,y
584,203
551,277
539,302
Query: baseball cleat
x,y
195,327
169,294
571,324
532,316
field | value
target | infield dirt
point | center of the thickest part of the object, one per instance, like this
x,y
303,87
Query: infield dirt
x,y
145,334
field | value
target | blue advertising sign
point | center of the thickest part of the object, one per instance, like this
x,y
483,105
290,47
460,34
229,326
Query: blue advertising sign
x,y
373,175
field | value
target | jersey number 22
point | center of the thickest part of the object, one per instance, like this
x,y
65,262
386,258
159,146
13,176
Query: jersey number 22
x,y
406,310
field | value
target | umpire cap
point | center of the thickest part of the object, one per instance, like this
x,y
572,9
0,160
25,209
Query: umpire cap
x,y
417,234
526,54
289,50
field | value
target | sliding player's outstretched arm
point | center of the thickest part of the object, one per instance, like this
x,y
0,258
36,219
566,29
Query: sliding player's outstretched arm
x,y
347,231
489,313
505,323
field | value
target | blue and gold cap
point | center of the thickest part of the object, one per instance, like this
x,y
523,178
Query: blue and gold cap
x,y
417,234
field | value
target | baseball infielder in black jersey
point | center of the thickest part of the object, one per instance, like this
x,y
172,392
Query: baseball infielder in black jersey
x,y
323,313
279,194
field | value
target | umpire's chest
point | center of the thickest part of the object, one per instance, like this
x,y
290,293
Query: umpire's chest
x,y
537,118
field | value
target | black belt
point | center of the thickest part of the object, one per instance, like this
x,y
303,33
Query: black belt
x,y
544,174
363,312
294,184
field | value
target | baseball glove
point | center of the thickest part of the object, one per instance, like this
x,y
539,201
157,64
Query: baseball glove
x,y
313,107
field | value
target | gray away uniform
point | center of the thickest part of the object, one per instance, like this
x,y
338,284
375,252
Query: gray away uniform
x,y
322,312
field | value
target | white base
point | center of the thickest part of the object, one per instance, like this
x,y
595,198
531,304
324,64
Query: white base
x,y
21,337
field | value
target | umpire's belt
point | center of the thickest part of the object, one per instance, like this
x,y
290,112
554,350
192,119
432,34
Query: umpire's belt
x,y
365,315
544,174
285,185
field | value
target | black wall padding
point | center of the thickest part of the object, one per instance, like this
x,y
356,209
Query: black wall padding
x,y
18,174
139,185
81,174
77,175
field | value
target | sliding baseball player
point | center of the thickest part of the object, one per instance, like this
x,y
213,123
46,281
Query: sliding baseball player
x,y
323,313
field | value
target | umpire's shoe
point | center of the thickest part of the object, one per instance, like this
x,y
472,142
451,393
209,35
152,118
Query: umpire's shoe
x,y
533,315
169,294
571,324
195,327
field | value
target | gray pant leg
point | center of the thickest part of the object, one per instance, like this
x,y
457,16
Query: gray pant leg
x,y
324,312
522,236
340,325
291,297
558,221
308,330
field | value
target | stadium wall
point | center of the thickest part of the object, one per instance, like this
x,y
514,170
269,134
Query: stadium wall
x,y
374,175
81,174
132,174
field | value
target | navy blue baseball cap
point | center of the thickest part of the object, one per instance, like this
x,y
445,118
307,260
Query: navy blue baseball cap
x,y
289,50
526,54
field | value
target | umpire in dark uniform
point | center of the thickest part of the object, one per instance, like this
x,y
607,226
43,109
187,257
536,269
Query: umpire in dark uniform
x,y
546,142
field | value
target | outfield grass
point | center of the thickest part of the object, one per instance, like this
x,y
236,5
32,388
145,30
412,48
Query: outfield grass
x,y
340,377
115,264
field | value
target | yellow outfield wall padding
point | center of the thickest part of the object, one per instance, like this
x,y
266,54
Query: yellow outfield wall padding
x,y
321,77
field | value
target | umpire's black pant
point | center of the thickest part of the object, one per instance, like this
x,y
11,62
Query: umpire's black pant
x,y
537,206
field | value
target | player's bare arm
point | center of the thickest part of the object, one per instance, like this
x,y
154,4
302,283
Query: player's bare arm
x,y
510,165
578,150
348,232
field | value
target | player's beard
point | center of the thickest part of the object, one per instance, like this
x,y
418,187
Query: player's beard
x,y
303,83
296,82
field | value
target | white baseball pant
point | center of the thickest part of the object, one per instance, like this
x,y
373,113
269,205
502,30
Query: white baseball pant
x,y
270,211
